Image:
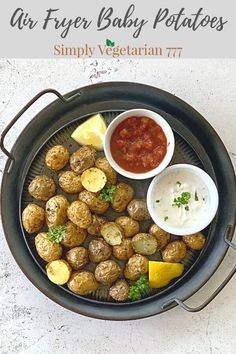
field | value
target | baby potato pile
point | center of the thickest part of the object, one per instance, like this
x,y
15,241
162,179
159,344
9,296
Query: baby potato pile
x,y
70,236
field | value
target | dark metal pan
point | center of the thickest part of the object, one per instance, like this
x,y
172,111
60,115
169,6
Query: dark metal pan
x,y
196,143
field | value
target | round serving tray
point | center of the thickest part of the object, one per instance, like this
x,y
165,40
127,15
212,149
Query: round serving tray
x,y
197,143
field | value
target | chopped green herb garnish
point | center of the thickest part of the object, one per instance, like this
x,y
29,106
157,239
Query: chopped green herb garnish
x,y
56,233
187,208
157,201
139,289
107,193
196,196
166,218
182,200
179,183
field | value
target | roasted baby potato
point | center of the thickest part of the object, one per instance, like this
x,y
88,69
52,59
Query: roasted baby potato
x,y
123,251
57,157
112,233
129,226
79,213
82,159
82,283
93,179
107,272
95,204
122,196
73,235
195,241
56,211
136,266
58,271
120,290
137,210
70,182
110,173
77,257
42,187
94,229
174,252
47,250
145,244
162,236
99,250
33,217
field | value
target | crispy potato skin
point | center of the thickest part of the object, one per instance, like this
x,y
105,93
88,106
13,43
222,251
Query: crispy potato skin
x,y
122,196
144,244
110,173
42,187
57,157
56,210
95,204
107,272
99,250
94,229
46,249
136,266
74,235
162,237
33,217
174,252
137,210
77,257
123,251
82,283
79,213
129,226
195,241
82,159
70,182
120,290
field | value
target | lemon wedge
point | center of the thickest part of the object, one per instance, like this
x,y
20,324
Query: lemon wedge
x,y
91,132
161,273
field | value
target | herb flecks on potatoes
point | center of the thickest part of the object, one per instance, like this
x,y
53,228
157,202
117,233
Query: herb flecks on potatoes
x,y
57,157
93,179
111,233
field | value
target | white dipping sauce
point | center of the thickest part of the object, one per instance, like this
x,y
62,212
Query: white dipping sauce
x,y
181,199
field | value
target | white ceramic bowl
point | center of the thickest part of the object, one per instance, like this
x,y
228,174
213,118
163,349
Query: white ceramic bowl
x,y
161,122
212,201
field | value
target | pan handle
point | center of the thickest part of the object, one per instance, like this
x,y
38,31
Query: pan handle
x,y
228,233
23,110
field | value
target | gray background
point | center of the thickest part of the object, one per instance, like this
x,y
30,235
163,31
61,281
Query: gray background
x,y
32,324
36,43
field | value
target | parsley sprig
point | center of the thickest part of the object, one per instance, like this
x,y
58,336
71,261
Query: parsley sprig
x,y
107,193
56,233
182,200
139,289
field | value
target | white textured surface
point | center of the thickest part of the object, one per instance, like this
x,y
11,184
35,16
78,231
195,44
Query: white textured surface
x,y
31,323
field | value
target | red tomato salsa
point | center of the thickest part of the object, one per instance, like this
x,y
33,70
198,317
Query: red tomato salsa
x,y
138,144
